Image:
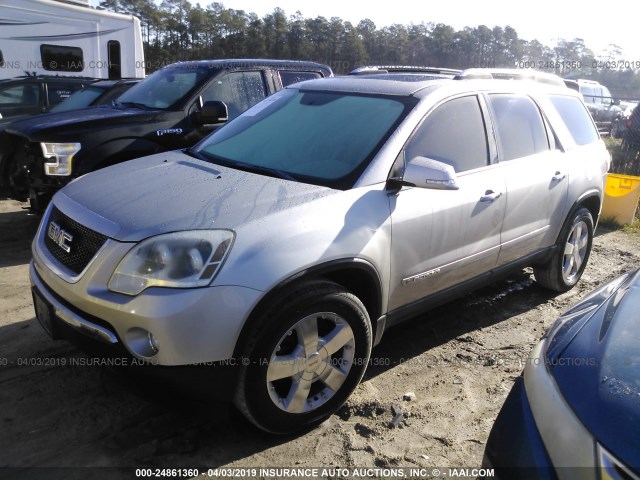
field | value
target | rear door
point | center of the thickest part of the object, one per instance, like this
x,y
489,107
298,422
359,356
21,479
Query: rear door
x,y
535,172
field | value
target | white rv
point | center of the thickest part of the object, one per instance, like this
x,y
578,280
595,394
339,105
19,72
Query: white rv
x,y
56,38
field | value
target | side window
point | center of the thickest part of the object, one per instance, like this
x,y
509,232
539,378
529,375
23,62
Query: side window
x,y
61,91
606,96
239,90
289,78
589,93
23,95
519,125
454,133
577,119
57,58
113,58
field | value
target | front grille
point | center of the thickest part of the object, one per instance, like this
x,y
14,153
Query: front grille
x,y
84,244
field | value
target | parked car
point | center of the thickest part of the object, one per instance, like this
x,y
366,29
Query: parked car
x,y
28,95
98,93
103,92
281,247
173,108
575,412
604,109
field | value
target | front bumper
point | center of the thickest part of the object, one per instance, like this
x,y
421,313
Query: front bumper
x,y
190,326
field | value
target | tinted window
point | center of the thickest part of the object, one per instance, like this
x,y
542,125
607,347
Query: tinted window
x,y
577,119
58,58
239,90
519,126
113,54
61,91
80,99
24,95
454,133
289,78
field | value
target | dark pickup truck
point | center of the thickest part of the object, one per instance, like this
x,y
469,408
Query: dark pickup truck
x,y
172,109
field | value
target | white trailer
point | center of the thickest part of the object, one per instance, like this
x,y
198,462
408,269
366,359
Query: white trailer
x,y
56,38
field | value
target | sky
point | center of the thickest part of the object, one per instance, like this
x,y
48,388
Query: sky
x,y
597,23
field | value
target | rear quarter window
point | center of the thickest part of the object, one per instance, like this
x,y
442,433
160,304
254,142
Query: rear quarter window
x,y
577,119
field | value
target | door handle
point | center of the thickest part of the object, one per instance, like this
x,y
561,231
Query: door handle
x,y
490,196
558,176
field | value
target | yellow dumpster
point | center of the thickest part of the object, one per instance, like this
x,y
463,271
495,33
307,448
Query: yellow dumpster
x,y
621,198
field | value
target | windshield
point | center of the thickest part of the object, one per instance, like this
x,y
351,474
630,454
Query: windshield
x,y
167,87
80,99
316,137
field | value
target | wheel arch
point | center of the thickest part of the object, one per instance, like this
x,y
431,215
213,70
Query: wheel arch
x,y
358,276
592,202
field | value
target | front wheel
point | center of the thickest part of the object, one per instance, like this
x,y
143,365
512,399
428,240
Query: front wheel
x,y
565,267
306,356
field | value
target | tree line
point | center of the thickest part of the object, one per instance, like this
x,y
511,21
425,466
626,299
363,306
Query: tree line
x,y
178,30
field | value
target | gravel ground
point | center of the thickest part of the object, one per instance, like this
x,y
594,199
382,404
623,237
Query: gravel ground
x,y
458,362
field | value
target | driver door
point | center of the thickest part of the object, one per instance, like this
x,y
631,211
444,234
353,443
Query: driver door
x,y
444,237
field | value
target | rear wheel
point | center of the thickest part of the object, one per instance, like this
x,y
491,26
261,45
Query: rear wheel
x,y
306,356
565,267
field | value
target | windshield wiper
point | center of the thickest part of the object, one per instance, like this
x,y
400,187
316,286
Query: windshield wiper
x,y
192,153
272,172
246,167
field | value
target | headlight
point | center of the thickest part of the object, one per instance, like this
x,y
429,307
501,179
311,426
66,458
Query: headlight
x,y
174,260
63,154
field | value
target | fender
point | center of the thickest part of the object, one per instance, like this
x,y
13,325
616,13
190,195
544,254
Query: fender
x,y
357,275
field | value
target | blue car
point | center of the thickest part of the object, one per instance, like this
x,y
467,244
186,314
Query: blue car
x,y
575,411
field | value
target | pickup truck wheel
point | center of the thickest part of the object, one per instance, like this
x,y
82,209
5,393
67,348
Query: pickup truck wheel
x,y
308,354
565,267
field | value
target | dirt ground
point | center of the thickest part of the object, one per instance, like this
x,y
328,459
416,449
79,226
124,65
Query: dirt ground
x,y
459,360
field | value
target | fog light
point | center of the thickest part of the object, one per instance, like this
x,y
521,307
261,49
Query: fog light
x,y
142,342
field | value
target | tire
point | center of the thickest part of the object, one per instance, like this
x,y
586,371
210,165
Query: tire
x,y
307,354
565,267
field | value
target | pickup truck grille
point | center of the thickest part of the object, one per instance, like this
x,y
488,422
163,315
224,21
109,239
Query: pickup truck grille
x,y
84,244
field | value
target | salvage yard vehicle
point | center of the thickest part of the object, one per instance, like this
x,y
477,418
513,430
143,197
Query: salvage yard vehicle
x,y
173,108
282,246
32,94
576,408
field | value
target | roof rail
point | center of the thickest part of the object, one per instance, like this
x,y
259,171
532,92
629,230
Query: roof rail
x,y
511,74
403,69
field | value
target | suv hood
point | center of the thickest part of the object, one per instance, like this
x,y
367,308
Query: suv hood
x,y
43,127
598,373
171,191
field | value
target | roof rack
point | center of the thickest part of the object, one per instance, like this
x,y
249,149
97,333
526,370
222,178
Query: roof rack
x,y
403,69
510,74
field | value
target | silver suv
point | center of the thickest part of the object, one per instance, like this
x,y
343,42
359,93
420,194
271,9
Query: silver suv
x,y
282,246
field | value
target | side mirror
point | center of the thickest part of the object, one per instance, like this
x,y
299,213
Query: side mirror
x,y
424,172
213,112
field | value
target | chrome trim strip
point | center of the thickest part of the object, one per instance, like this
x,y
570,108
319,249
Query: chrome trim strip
x,y
70,318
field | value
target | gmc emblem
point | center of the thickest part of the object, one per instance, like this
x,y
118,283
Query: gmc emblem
x,y
59,236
